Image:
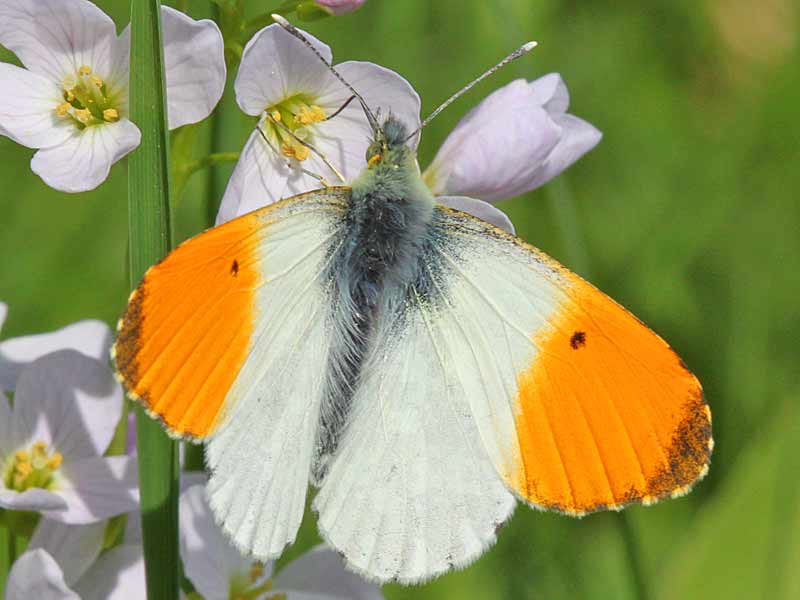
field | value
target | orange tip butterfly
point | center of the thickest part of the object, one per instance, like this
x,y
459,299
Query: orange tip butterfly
x,y
422,368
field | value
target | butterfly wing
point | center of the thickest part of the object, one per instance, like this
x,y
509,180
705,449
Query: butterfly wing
x,y
225,341
504,372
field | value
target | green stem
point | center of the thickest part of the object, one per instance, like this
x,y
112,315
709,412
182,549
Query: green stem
x,y
216,158
628,536
150,239
12,549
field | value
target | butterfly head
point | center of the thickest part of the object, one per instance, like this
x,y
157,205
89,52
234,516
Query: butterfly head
x,y
388,147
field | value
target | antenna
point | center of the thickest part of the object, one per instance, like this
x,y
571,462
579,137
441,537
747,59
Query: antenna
x,y
521,51
373,122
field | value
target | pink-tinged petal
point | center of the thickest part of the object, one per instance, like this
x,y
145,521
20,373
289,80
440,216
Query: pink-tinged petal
x,y
69,401
28,108
275,66
261,177
117,575
340,7
83,161
551,93
73,547
96,489
495,151
57,37
34,499
345,138
89,337
36,575
120,67
5,426
479,208
577,138
209,560
194,61
320,574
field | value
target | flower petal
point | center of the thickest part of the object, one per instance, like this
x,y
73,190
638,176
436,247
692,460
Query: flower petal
x,y
70,401
97,488
34,499
37,575
320,573
89,337
577,138
83,161
117,575
276,66
28,108
345,138
495,151
73,547
209,559
551,93
3,314
479,208
57,37
260,178
5,426
118,76
194,62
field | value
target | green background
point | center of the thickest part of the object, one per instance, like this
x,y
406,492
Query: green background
x,y
687,213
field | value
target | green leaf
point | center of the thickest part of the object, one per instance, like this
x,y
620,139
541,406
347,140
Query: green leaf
x,y
150,239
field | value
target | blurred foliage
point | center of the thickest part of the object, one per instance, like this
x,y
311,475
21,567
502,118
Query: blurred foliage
x,y
687,213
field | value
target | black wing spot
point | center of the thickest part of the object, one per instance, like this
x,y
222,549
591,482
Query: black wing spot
x,y
235,268
578,340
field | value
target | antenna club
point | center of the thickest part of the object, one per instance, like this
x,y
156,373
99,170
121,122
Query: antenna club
x,y
529,46
280,20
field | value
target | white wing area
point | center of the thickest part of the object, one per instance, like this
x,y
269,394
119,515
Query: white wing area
x,y
260,456
418,485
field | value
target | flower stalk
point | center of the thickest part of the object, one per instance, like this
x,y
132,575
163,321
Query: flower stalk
x,y
150,240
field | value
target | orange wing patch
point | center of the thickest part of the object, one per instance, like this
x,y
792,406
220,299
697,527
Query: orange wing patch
x,y
607,414
187,328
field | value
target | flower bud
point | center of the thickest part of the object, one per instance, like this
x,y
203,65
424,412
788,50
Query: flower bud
x,y
339,7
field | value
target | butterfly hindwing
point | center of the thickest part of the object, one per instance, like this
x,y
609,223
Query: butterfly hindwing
x,y
225,340
504,373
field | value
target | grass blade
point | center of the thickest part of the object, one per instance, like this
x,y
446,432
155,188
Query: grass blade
x,y
150,239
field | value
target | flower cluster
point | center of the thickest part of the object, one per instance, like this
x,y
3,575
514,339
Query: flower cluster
x,y
70,102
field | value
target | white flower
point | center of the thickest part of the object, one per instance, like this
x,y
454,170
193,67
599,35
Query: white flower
x,y
62,563
219,572
89,337
514,141
71,100
66,407
280,78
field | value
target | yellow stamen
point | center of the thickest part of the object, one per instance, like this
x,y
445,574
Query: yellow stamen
x,y
111,115
23,469
55,461
69,82
69,96
39,447
83,115
293,149
276,115
61,109
21,456
85,70
96,81
374,160
256,571
308,115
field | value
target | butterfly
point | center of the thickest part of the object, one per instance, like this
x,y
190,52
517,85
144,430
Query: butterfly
x,y
423,369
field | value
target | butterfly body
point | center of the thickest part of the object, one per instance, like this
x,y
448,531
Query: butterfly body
x,y
423,368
